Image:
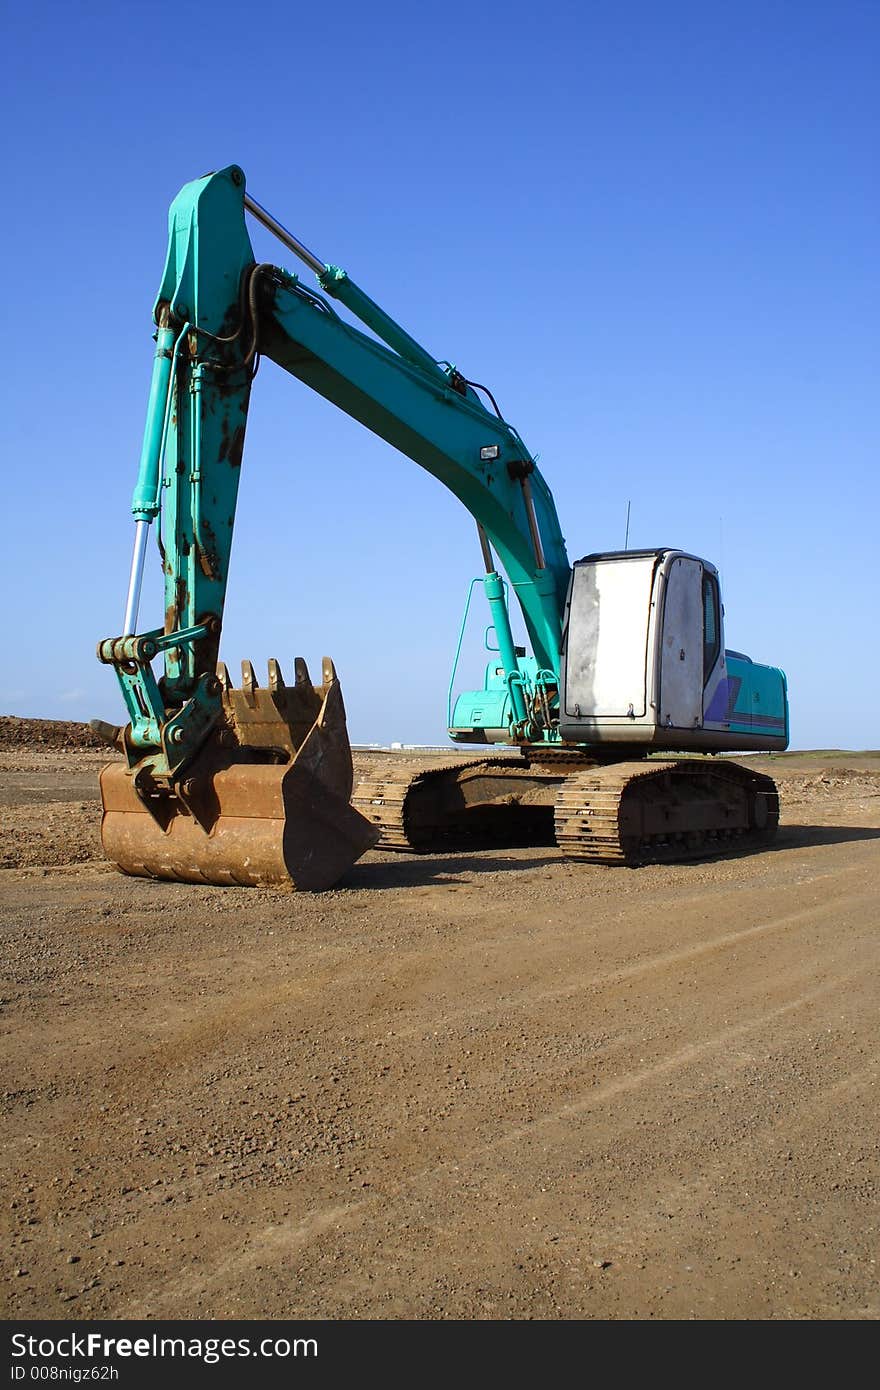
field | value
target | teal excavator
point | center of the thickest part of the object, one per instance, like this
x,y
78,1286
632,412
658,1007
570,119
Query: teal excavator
x,y
253,784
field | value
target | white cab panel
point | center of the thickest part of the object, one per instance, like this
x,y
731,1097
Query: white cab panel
x,y
608,639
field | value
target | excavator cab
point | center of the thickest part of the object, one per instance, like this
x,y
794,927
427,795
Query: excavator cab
x,y
644,662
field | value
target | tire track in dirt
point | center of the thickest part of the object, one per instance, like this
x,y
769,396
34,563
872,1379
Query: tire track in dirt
x,y
411,1191
187,1037
219,1028
644,967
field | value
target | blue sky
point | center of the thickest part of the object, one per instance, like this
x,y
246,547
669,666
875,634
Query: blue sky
x,y
652,229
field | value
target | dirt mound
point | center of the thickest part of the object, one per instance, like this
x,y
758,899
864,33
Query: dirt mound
x,y
45,733
827,784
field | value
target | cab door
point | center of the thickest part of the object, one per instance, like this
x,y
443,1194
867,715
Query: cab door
x,y
681,663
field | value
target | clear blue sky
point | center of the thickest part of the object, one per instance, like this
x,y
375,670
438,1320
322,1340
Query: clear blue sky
x,y
651,228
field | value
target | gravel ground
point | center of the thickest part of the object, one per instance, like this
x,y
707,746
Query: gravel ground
x,y
494,1085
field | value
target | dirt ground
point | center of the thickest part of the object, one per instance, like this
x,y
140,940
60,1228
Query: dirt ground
x,y
483,1086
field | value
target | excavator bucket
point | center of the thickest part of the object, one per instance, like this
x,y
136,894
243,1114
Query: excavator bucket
x,y
266,801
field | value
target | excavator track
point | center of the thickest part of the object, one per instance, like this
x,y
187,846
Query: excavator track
x,y
381,799
660,812
473,804
629,813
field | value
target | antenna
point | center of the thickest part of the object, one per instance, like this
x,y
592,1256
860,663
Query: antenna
x,y
626,537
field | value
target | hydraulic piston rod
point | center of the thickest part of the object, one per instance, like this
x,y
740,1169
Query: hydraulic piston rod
x,y
136,578
274,226
145,505
339,284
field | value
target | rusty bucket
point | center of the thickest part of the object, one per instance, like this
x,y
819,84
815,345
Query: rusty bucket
x,y
266,802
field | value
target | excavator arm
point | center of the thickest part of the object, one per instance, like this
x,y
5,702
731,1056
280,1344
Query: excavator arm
x,y
216,312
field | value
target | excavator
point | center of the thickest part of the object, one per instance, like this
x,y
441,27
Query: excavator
x,y
602,724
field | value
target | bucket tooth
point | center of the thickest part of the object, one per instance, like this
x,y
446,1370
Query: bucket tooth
x,y
223,677
301,672
249,683
328,671
111,734
276,679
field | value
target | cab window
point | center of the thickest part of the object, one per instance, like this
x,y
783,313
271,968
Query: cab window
x,y
711,625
